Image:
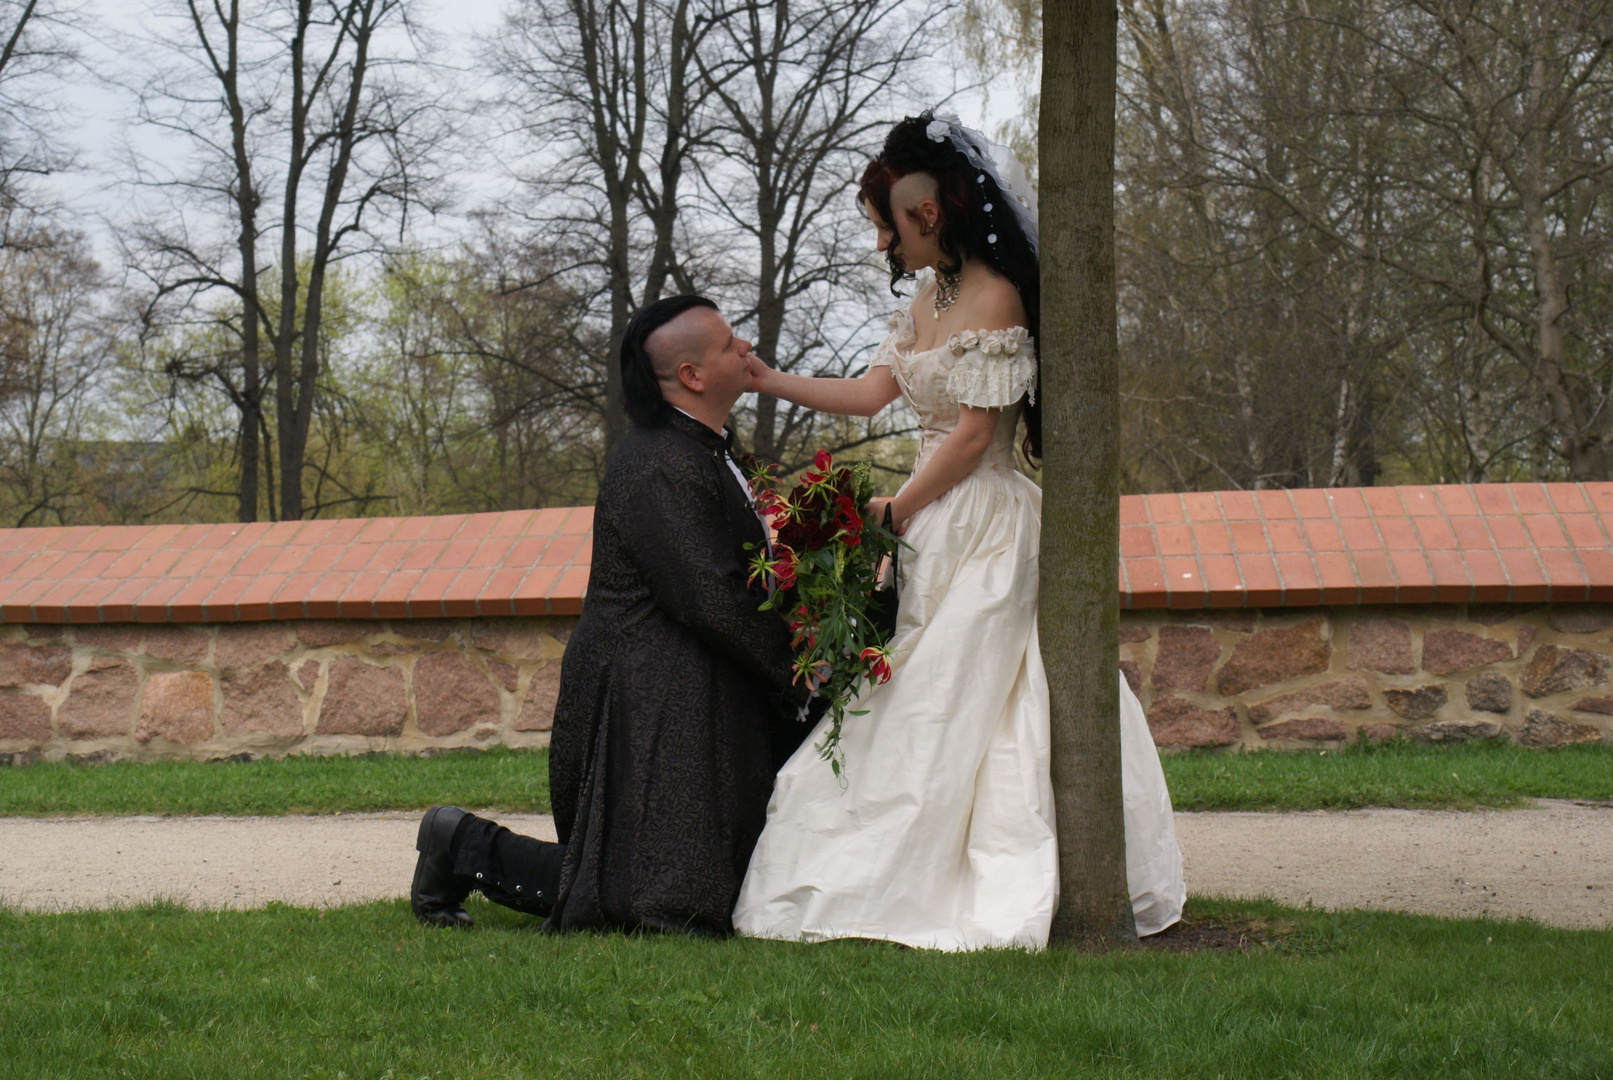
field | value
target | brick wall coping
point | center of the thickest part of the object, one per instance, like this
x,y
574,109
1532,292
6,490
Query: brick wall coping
x,y
1474,543
524,562
1456,543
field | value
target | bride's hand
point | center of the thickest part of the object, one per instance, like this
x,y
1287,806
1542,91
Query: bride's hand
x,y
876,510
758,371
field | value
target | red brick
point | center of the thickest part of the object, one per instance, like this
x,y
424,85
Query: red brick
x,y
119,604
1248,537
1489,577
571,585
511,523
185,606
387,557
221,565
377,529
561,552
1584,531
51,605
291,601
1419,501
1223,585
1311,503
1472,533
1524,573
17,606
1398,534
1336,577
444,527
392,597
1598,563
498,594
344,530
1174,539
1601,496
324,598
316,532
1298,578
476,526
1165,509
63,566
1275,504
410,530
86,606
321,559
1374,577
1434,534
1530,498
456,554
354,557
1201,506
288,559
459,599
1346,502
1135,542
1132,511
1325,535
256,561
490,553
1262,588
1413,583
96,565
1451,584
1454,499
153,606
1563,573
358,599
426,599
1210,538
547,522
1360,534
254,602
531,596
579,520
282,533
1286,536
1545,531
422,555
585,554
1567,499
1238,506
1508,532
1493,499
1384,502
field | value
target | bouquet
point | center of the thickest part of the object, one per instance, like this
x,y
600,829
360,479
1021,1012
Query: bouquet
x,y
822,572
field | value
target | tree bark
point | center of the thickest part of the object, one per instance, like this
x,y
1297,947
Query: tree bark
x,y
1080,521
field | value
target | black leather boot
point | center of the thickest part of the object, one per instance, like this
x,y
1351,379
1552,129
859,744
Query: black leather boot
x,y
438,894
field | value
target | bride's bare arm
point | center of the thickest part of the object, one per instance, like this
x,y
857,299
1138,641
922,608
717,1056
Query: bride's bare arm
x,y
863,396
954,459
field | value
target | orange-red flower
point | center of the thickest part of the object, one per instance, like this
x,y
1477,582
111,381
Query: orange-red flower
x,y
879,663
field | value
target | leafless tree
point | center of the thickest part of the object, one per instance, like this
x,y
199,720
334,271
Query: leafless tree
x,y
34,50
802,93
613,108
310,138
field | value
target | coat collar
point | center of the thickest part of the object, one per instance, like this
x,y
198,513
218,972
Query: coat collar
x,y
699,432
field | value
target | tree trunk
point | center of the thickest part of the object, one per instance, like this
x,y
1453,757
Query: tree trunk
x,y
1080,520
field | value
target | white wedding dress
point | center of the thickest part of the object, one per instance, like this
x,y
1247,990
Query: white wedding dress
x,y
943,834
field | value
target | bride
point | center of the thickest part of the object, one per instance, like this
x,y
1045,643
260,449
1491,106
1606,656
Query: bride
x,y
942,834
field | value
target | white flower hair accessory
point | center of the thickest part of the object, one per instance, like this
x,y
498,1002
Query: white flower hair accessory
x,y
940,128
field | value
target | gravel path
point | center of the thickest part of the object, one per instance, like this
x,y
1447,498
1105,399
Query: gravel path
x,y
1553,863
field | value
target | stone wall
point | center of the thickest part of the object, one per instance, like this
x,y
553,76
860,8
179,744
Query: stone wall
x,y
149,692
1284,677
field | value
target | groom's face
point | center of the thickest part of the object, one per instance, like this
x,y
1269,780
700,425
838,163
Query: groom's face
x,y
699,353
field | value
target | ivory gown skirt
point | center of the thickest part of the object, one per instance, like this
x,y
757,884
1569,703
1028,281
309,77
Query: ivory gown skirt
x,y
943,836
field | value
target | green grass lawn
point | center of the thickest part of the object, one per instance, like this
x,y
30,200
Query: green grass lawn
x,y
1405,774
364,992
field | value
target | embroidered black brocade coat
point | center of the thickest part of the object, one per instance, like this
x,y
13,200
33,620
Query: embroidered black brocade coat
x,y
675,704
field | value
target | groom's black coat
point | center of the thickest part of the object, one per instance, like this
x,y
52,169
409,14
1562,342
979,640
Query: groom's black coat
x,y
675,703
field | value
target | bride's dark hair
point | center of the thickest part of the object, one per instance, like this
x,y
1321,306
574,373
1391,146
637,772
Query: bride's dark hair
x,y
967,229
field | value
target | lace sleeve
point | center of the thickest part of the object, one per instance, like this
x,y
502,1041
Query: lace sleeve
x,y
994,368
900,336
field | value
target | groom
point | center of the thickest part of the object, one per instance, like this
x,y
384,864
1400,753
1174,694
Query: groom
x,y
676,702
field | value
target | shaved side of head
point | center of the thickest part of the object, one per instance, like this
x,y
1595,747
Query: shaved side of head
x,y
681,340
914,188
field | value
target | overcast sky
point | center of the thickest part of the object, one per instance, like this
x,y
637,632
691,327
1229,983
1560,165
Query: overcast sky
x,y
97,114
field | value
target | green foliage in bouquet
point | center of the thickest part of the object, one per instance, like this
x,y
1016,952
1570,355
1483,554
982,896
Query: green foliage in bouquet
x,y
822,571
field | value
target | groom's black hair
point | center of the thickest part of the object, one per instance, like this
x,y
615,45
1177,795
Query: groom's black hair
x,y
641,391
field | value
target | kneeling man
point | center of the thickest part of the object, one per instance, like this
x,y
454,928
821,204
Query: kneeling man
x,y
676,700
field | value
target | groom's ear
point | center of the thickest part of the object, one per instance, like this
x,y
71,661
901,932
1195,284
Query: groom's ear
x,y
689,375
